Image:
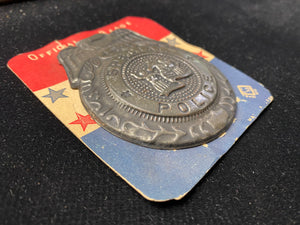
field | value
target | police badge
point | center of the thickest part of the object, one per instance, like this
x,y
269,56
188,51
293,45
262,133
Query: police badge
x,y
148,92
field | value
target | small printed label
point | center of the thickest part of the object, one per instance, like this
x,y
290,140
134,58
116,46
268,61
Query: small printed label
x,y
247,91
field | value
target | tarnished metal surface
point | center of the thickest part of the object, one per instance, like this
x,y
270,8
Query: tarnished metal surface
x,y
148,92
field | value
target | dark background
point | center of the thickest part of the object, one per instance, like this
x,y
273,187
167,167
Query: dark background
x,y
49,177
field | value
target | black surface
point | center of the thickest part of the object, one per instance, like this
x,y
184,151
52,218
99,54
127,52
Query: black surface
x,y
48,177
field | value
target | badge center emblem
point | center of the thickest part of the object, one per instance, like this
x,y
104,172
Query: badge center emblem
x,y
166,85
163,75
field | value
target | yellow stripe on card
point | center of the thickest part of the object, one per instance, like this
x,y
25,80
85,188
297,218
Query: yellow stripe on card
x,y
176,41
65,103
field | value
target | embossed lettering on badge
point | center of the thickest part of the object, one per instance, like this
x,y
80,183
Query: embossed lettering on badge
x,y
148,92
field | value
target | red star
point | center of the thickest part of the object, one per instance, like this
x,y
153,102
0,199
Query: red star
x,y
201,54
83,120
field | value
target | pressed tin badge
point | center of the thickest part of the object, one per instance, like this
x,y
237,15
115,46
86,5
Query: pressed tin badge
x,y
148,92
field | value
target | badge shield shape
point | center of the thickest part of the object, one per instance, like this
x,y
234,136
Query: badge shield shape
x,y
148,92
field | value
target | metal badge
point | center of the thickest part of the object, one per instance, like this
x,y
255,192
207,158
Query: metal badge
x,y
148,92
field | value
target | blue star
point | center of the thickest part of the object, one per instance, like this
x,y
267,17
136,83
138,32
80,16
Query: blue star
x,y
172,42
54,95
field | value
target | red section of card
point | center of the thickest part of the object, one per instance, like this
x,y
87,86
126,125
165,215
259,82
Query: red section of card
x,y
40,68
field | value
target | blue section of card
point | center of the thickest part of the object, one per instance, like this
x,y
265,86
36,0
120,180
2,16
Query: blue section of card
x,y
162,175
